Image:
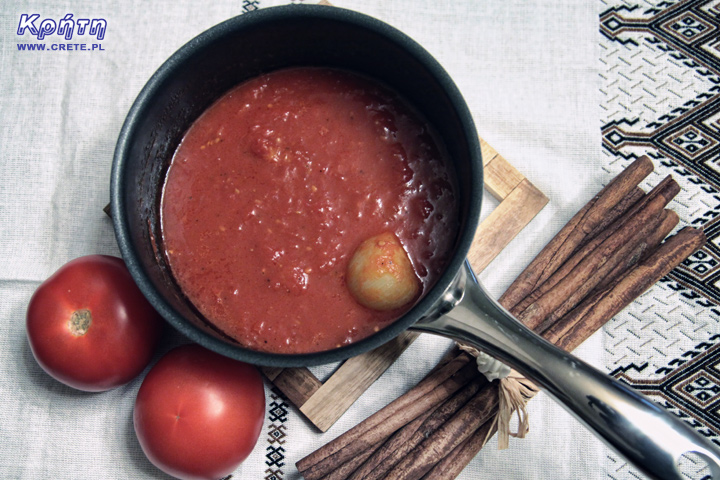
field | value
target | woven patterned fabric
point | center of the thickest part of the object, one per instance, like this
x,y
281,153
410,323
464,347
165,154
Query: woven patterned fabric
x,y
661,88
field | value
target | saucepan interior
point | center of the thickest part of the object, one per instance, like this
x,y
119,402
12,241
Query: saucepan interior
x,y
244,47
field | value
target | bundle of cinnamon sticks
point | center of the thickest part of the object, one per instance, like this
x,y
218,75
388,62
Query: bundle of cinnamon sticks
x,y
608,254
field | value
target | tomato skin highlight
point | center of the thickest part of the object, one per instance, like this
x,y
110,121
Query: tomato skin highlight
x,y
89,325
198,414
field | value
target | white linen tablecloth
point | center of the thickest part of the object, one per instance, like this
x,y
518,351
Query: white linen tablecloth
x,y
531,74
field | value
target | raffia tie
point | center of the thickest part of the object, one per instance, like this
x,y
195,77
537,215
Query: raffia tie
x,y
514,393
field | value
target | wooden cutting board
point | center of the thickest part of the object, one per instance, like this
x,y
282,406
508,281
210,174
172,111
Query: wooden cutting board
x,y
324,403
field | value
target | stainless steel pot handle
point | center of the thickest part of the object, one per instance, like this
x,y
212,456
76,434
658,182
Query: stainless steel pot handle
x,y
643,432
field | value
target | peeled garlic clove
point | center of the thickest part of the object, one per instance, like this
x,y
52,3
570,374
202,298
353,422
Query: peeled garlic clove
x,y
380,275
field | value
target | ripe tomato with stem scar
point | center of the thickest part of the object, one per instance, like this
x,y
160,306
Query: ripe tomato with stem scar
x,y
89,325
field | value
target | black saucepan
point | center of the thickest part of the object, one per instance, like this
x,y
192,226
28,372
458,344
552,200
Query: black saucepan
x,y
456,306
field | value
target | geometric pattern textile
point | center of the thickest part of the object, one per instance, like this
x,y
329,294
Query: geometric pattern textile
x,y
661,98
688,386
277,413
678,119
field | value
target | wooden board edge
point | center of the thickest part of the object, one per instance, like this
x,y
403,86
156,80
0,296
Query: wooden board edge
x,y
504,223
271,372
334,398
487,152
297,384
501,178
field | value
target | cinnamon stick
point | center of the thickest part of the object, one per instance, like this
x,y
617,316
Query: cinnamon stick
x,y
559,249
582,278
398,439
455,462
377,466
594,312
618,211
622,254
667,189
346,469
378,427
421,389
668,222
460,427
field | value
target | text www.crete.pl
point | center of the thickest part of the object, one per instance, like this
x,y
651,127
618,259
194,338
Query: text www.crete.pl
x,y
61,46
63,29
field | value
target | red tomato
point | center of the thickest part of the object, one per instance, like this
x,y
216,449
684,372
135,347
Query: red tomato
x,y
198,414
90,327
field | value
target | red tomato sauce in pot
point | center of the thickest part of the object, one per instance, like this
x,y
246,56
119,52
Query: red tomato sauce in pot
x,y
274,187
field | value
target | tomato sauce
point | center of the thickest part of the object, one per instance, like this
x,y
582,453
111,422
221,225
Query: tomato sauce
x,y
273,188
